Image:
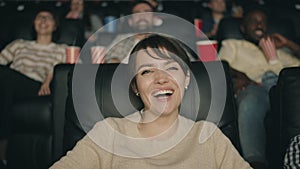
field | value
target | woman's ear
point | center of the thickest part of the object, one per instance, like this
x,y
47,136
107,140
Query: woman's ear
x,y
134,87
187,79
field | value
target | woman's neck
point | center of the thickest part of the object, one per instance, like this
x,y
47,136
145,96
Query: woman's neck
x,y
44,39
154,126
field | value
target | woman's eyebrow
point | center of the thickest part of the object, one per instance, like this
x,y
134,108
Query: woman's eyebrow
x,y
145,65
151,65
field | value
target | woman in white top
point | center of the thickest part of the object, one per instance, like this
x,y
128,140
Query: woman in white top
x,y
157,136
26,69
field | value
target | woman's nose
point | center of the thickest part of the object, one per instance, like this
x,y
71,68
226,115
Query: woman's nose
x,y
161,77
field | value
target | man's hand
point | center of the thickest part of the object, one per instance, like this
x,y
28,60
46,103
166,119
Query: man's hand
x,y
279,40
240,81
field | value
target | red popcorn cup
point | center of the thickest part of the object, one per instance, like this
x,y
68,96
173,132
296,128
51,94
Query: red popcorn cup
x,y
98,54
72,54
198,27
207,50
268,47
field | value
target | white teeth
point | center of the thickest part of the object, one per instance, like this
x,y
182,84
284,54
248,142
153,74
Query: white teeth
x,y
163,92
259,32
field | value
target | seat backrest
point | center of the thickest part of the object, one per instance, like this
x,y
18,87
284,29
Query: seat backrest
x,y
6,18
285,108
91,85
59,89
71,32
229,28
30,142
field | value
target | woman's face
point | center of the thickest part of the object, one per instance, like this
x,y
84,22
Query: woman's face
x,y
44,23
217,6
160,83
77,5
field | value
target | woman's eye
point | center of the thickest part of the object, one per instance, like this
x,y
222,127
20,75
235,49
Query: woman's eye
x,y
172,68
146,72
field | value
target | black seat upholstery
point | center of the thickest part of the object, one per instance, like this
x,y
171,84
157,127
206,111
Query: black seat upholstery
x,y
229,28
45,128
109,106
71,32
30,145
5,30
285,108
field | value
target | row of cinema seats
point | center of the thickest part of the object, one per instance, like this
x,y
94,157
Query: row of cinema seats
x,y
16,17
44,129
282,122
285,113
39,137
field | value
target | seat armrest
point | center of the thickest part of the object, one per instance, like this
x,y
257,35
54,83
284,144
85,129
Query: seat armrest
x,y
59,90
32,116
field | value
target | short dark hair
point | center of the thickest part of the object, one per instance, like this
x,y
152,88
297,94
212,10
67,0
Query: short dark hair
x,y
253,9
51,11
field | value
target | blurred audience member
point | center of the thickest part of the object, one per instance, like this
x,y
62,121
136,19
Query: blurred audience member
x,y
292,155
91,21
140,21
254,73
237,10
76,10
217,12
26,69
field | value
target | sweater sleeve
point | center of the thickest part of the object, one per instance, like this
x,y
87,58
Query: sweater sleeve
x,y
8,53
227,157
228,51
84,155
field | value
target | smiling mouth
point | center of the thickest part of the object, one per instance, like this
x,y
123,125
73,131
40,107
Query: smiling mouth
x,y
163,93
259,32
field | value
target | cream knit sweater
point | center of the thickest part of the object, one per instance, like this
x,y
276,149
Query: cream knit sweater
x,y
116,143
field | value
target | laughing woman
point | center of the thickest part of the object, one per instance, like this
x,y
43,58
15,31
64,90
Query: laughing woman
x,y
26,69
157,136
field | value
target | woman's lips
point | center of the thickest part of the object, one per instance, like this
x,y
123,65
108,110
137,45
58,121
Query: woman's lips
x,y
163,94
159,93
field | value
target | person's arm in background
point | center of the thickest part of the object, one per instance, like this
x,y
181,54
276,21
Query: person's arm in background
x,y
240,80
228,52
281,41
45,87
8,53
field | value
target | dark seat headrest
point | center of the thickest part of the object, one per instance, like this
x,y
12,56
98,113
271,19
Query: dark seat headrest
x,y
103,91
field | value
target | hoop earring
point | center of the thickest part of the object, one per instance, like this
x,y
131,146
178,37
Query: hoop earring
x,y
137,94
